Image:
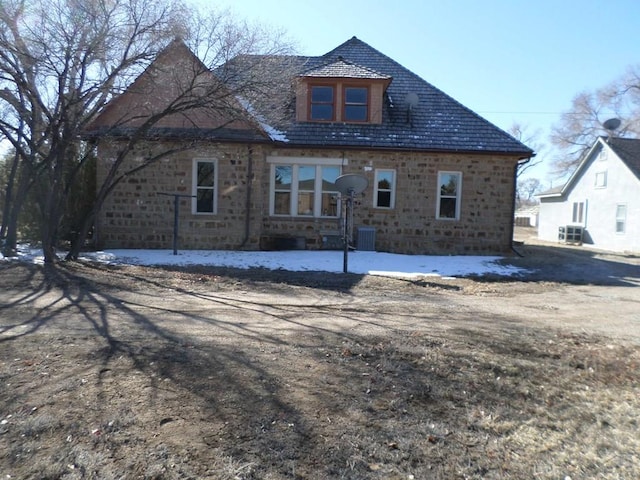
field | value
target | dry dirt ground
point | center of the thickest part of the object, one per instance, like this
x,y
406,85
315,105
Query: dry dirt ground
x,y
160,373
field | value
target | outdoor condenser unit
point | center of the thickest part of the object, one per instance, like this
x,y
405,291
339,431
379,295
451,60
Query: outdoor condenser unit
x,y
366,239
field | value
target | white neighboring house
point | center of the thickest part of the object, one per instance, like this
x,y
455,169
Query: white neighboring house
x,y
600,204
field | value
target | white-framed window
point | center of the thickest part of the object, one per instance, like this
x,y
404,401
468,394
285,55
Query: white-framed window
x,y
301,187
205,186
621,218
449,194
578,212
384,189
601,179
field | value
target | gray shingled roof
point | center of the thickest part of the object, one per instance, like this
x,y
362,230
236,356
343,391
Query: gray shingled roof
x,y
628,149
437,123
342,69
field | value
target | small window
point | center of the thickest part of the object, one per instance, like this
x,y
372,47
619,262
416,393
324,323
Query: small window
x,y
322,102
384,189
205,179
449,188
578,212
356,104
601,179
621,218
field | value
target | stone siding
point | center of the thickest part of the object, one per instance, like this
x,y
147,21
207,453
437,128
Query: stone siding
x,y
135,216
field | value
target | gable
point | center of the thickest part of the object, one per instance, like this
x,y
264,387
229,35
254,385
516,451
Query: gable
x,y
173,94
620,153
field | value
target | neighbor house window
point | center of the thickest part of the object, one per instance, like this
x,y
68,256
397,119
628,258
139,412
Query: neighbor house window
x,y
449,189
322,102
621,218
384,189
205,183
304,190
578,212
601,179
356,104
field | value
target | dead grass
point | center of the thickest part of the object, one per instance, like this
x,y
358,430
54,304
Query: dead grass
x,y
130,397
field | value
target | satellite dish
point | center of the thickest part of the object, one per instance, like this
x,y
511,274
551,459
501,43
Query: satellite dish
x,y
412,100
612,124
351,183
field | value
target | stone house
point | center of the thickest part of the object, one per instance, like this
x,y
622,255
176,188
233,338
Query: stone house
x,y
600,203
441,179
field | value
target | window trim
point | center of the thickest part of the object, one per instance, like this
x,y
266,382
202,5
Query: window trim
x,y
392,189
458,196
603,176
195,187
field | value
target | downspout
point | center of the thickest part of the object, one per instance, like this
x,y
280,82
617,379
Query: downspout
x,y
247,212
513,204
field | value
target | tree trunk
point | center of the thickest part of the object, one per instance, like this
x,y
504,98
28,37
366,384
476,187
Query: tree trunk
x,y
80,237
10,223
8,197
52,210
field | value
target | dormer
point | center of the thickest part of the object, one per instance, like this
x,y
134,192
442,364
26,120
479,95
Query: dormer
x,y
341,92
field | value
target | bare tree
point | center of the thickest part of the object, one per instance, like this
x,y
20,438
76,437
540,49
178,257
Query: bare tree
x,y
583,123
526,192
62,61
532,139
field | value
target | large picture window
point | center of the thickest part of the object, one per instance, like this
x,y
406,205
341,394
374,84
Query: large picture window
x,y
384,189
304,190
205,183
449,190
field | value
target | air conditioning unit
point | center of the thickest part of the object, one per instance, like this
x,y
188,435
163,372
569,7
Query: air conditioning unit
x,y
571,234
366,239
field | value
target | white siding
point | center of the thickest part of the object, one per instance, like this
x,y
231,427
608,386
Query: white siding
x,y
600,204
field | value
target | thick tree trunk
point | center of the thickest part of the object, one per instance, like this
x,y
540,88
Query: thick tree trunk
x,y
10,222
81,236
8,197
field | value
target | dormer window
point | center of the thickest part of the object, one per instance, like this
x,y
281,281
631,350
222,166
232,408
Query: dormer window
x,y
322,103
341,92
356,104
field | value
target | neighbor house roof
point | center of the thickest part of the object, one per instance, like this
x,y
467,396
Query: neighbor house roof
x,y
627,150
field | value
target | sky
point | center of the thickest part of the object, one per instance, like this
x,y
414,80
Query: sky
x,y
511,61
359,262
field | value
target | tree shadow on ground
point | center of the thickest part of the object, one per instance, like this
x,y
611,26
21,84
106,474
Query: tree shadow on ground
x,y
572,265
173,392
